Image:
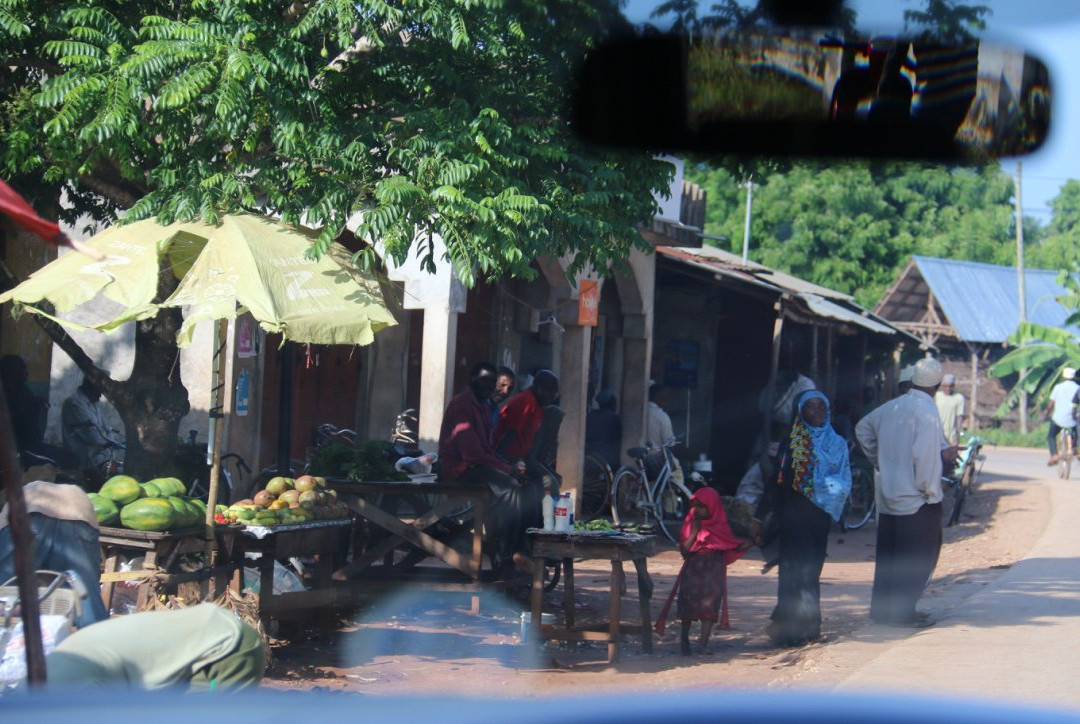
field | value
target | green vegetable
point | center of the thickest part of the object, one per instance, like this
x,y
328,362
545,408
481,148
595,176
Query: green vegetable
x,y
598,524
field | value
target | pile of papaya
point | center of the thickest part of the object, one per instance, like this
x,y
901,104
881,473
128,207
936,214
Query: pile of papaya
x,y
155,505
286,501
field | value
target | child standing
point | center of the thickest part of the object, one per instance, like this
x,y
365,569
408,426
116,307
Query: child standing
x,y
708,546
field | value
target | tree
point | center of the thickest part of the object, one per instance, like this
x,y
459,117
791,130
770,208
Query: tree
x,y
852,226
434,117
949,20
1060,246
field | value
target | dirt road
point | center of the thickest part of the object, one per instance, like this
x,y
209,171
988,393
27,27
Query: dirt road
x,y
429,644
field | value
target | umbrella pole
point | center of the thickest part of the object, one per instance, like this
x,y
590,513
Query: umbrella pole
x,y
23,540
217,413
284,462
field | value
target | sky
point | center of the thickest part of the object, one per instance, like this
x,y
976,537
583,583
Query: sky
x,y
1047,29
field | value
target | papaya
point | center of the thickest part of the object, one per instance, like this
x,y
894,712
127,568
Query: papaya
x,y
150,490
184,515
196,515
148,514
121,489
169,486
106,511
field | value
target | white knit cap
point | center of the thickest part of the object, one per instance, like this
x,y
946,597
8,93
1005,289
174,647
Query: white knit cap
x,y
927,373
1068,373
907,373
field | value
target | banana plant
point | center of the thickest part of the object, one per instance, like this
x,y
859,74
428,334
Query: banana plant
x,y
1040,356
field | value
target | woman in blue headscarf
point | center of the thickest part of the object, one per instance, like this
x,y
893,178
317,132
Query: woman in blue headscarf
x,y
813,484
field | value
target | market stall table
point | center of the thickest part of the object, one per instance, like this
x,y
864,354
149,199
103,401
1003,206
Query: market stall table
x,y
325,541
160,551
407,511
615,546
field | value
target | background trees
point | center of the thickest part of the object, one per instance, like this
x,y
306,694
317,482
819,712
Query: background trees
x,y
852,227
434,117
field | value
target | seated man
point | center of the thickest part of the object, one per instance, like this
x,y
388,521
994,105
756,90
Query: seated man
x,y
202,648
65,531
467,456
84,431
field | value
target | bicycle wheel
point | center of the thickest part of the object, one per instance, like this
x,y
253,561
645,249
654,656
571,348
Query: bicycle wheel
x,y
595,487
859,507
629,498
672,503
962,490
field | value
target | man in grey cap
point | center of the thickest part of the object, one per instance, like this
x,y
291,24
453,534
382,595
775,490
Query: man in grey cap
x,y
950,407
904,440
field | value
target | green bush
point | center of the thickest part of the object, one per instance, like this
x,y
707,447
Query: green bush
x,y
1035,437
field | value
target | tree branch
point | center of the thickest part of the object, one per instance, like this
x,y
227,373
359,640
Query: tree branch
x,y
63,340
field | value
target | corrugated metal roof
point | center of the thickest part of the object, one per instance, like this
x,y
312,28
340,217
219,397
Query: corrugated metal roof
x,y
819,301
981,300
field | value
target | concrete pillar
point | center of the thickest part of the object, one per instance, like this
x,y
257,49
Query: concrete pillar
x,y
573,389
437,365
635,390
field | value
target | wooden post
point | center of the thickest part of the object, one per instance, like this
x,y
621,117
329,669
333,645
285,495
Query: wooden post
x,y
814,365
221,389
973,423
766,425
830,365
21,537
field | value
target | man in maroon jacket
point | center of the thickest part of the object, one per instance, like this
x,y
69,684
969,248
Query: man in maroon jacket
x,y
466,456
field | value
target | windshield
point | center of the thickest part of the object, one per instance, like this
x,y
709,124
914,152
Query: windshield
x,y
365,345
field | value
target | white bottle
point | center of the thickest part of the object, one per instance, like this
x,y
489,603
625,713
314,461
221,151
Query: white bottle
x,y
562,513
548,506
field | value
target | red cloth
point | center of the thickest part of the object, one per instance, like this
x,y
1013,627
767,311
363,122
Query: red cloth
x,y
521,416
15,208
465,437
714,534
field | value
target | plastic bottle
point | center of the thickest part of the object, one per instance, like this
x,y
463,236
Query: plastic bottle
x,y
562,513
548,506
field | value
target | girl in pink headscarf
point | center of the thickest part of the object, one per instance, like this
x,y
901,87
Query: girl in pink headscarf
x,y
708,546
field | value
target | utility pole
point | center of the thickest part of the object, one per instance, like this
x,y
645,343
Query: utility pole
x,y
746,231
1021,290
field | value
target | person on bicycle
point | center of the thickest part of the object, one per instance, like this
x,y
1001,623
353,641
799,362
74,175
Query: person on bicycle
x,y
1061,411
84,432
950,406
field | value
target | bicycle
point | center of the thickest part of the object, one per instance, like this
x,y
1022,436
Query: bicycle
x,y
861,504
596,483
1066,445
956,488
635,499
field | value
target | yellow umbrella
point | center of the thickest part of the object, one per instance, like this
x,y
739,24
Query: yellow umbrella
x,y
244,263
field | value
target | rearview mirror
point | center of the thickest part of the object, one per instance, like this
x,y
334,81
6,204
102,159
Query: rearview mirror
x,y
807,93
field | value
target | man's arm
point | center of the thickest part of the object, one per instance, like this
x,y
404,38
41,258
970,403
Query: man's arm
x,y
866,434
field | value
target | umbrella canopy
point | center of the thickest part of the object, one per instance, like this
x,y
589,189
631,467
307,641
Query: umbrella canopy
x,y
245,263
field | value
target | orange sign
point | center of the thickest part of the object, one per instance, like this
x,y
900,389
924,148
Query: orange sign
x,y
588,310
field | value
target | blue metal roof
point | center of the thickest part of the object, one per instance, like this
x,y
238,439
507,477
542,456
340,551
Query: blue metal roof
x,y
981,300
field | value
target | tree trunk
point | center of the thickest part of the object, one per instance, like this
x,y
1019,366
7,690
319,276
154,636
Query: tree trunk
x,y
153,400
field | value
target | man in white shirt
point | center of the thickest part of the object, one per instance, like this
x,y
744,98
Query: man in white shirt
x,y
904,440
1061,411
950,406
658,429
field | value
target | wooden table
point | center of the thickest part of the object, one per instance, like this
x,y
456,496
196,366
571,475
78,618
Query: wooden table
x,y
160,551
592,545
326,541
381,504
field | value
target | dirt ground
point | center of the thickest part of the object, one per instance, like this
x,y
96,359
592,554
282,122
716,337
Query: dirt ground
x,y
417,643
